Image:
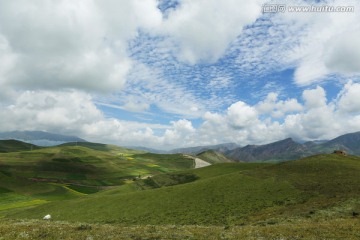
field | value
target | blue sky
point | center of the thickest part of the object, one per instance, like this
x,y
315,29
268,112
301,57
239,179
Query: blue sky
x,y
167,74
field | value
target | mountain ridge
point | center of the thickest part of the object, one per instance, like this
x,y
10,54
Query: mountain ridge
x,y
222,148
288,149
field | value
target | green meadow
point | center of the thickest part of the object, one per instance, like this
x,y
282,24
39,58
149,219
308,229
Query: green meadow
x,y
109,193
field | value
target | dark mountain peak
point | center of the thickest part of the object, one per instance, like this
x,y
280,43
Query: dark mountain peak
x,y
286,140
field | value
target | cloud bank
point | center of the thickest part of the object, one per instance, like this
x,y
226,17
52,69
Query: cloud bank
x,y
74,113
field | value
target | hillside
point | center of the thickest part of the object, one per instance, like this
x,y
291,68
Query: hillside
x,y
103,147
33,177
15,146
311,188
212,157
89,166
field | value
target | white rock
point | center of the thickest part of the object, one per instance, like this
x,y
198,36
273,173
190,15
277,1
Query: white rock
x,y
47,217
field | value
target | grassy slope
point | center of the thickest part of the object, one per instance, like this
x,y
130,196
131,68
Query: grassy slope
x,y
102,147
82,165
15,146
65,172
213,157
314,187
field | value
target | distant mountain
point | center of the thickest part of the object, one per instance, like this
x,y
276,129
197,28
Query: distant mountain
x,y
288,149
349,142
15,146
146,149
40,138
222,148
277,151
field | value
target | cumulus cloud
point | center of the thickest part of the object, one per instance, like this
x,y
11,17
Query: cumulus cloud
x,y
315,98
316,118
240,115
205,28
326,44
277,108
349,100
68,44
74,112
52,111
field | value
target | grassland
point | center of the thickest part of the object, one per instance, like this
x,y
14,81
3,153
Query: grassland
x,y
15,146
41,175
226,194
35,229
313,198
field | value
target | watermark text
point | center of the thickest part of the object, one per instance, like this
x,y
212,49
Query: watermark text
x,y
281,8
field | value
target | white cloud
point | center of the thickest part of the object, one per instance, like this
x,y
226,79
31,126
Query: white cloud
x,y
317,118
240,115
52,111
146,87
317,45
349,100
73,112
71,44
343,54
326,42
315,98
205,28
277,108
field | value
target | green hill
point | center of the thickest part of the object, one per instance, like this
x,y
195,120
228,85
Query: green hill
x,y
56,173
317,187
103,147
90,166
212,157
15,146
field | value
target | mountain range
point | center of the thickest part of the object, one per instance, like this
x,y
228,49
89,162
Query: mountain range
x,y
288,149
283,150
222,148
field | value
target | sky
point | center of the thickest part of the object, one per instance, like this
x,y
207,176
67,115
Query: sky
x,y
179,73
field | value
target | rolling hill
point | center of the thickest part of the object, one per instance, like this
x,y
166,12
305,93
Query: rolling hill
x,y
213,157
15,146
55,173
316,187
